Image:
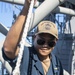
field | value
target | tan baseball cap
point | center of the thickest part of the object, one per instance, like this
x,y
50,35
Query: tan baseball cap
x,y
47,27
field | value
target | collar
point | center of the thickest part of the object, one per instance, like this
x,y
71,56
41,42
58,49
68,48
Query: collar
x,y
37,63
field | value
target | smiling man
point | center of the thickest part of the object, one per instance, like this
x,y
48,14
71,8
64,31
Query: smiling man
x,y
38,59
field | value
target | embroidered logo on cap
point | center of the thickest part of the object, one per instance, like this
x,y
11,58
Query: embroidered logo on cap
x,y
47,27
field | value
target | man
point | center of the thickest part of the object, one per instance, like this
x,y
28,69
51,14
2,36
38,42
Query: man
x,y
38,59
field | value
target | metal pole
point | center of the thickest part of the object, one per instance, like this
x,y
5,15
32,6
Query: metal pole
x,y
3,29
43,10
64,10
21,2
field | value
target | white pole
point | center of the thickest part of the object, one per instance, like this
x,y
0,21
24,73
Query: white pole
x,y
43,10
64,10
3,29
21,2
59,9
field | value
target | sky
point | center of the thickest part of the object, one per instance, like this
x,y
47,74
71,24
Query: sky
x,y
6,14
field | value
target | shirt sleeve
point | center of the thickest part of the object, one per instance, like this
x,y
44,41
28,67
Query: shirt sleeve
x,y
12,62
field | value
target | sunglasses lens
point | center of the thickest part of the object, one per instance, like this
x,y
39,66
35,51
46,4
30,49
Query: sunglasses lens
x,y
40,42
51,43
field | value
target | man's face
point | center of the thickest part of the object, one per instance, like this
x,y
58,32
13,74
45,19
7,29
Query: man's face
x,y
44,44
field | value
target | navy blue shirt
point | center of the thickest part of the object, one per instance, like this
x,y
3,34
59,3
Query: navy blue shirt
x,y
31,65
36,67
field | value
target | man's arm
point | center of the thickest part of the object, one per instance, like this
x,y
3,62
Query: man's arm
x,y
14,35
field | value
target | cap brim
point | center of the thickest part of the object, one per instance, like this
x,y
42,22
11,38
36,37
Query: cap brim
x,y
46,32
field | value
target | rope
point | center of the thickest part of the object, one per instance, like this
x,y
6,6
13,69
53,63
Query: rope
x,y
17,68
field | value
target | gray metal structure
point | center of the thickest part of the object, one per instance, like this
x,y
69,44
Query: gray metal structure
x,y
65,46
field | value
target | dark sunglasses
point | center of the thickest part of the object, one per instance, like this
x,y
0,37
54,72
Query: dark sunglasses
x,y
42,42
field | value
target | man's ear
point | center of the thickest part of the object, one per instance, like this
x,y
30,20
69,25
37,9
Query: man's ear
x,y
56,40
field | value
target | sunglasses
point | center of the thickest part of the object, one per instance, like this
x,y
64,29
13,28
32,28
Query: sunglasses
x,y
42,42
